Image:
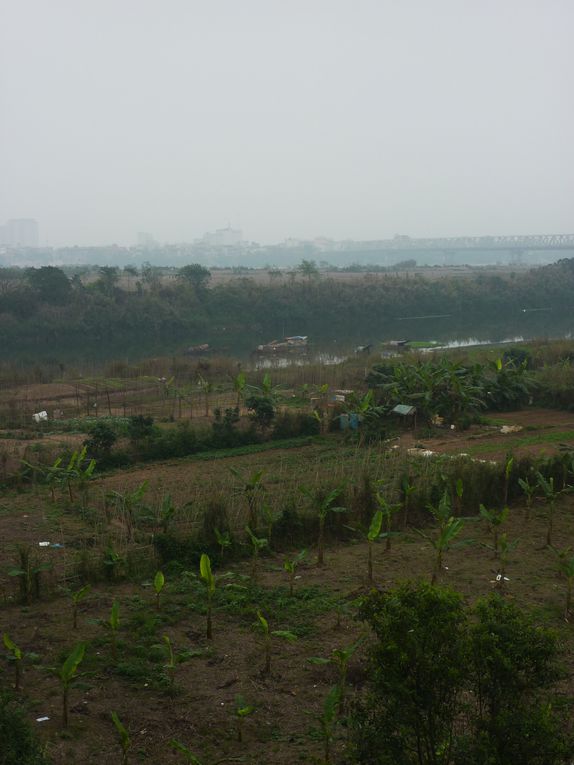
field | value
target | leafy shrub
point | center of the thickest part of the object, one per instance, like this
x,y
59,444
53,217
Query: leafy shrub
x,y
452,684
293,424
18,743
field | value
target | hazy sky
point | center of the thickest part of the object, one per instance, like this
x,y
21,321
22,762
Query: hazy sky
x,y
339,118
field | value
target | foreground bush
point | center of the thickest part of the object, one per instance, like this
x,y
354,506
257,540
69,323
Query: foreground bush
x,y
18,745
452,684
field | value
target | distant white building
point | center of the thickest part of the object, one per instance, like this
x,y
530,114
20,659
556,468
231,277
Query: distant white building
x,y
224,237
20,232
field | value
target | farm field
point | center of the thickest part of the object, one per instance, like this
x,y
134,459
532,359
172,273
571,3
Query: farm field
x,y
198,709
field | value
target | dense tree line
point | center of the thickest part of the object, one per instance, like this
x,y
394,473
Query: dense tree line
x,y
41,309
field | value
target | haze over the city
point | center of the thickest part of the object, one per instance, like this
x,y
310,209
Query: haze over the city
x,y
310,118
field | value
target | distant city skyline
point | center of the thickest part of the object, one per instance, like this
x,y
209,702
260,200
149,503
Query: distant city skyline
x,y
321,118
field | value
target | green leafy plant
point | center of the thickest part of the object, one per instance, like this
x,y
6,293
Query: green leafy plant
x,y
77,597
127,505
340,658
67,674
158,585
257,544
550,495
566,568
251,487
507,473
242,711
208,579
505,547
29,571
328,721
262,625
125,740
447,529
407,490
16,656
388,510
529,490
171,662
224,541
373,534
114,623
290,565
322,504
495,518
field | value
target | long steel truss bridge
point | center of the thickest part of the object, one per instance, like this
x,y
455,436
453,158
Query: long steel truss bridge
x,y
505,243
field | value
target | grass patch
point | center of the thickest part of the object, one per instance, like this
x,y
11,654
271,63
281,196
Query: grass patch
x,y
517,443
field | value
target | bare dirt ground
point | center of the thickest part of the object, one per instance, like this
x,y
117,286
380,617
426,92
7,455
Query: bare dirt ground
x,y
283,728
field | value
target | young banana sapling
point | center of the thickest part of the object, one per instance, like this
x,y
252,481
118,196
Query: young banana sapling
x,y
67,673
290,566
77,597
242,711
208,579
125,740
158,585
114,624
262,625
16,656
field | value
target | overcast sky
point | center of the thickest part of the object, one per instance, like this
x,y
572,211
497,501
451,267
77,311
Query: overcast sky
x,y
287,118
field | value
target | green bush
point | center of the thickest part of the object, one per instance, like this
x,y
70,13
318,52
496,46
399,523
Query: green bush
x,y
18,744
453,685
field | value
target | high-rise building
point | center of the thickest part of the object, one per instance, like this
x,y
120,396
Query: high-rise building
x,y
20,232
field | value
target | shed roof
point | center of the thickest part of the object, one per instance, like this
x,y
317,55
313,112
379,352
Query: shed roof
x,y
403,409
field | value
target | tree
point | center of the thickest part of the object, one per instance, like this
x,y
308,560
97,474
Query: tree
x,y
308,268
195,275
261,411
108,278
323,503
456,685
418,670
50,284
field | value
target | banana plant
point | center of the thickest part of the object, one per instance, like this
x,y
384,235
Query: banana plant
x,y
187,753
373,534
495,518
242,711
257,544
529,490
171,662
239,386
388,510
269,517
207,388
208,579
323,504
77,597
17,657
550,495
224,541
127,504
290,566
505,547
507,472
28,572
566,568
251,487
114,624
125,740
158,585
328,721
407,489
340,658
448,528
262,625
166,513
67,673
